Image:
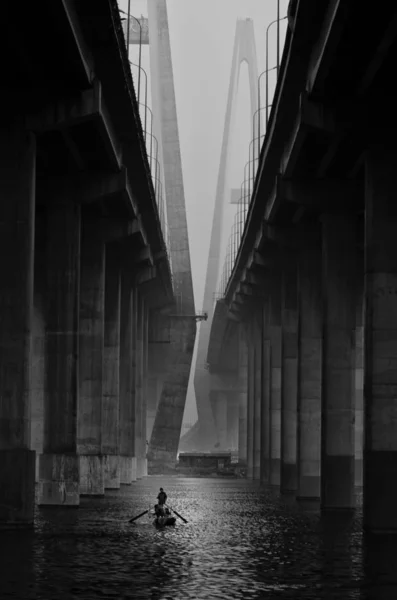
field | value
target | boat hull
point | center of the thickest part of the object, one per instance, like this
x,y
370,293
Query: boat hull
x,y
164,521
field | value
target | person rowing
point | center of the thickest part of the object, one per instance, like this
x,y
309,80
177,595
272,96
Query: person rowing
x,y
161,500
162,497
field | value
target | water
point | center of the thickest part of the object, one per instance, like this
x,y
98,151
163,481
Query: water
x,y
240,542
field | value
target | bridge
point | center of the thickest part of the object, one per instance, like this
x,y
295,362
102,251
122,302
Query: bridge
x,y
97,318
304,329
98,322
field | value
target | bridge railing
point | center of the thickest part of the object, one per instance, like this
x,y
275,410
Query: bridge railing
x,y
152,150
146,115
259,124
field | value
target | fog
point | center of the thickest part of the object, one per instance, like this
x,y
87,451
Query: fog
x,y
202,36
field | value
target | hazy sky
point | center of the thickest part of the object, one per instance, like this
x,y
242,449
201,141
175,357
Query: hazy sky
x,y
202,35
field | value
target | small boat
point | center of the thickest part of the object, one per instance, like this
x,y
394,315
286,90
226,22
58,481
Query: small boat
x,y
161,516
162,520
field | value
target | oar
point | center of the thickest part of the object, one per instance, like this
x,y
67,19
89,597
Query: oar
x,y
178,515
137,517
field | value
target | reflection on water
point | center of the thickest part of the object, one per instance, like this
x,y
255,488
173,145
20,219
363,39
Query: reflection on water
x,y
240,542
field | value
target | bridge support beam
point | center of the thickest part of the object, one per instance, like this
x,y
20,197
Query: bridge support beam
x,y
257,341
243,385
266,396
380,373
309,372
153,391
338,395
111,372
359,382
289,376
128,312
145,438
91,343
17,206
276,380
140,396
232,421
59,463
158,347
250,399
220,408
38,344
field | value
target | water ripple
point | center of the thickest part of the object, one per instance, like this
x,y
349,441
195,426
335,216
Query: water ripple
x,y
240,542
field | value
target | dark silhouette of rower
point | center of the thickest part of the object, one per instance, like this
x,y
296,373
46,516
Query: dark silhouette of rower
x,y
162,497
161,500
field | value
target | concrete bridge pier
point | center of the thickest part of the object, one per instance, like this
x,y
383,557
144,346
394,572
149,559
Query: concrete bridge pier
x,y
145,439
232,417
250,333
380,362
37,381
153,394
140,396
275,374
338,394
266,395
17,208
219,402
111,371
128,312
228,404
289,395
359,379
91,348
257,342
159,342
309,371
59,464
242,394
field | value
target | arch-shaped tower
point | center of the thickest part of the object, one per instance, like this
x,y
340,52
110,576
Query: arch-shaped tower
x,y
244,51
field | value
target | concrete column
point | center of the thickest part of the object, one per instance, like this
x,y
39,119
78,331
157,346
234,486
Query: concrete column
x,y
136,412
17,210
154,372
309,371
111,372
59,463
242,396
359,393
220,406
152,399
126,404
140,433
250,400
158,350
380,341
338,395
265,395
275,386
37,383
289,398
358,373
232,421
91,342
257,341
145,387
38,344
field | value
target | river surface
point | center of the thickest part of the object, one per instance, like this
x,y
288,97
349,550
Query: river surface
x,y
240,541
